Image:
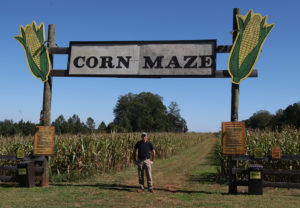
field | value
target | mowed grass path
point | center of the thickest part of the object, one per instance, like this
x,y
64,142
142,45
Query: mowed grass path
x,y
185,180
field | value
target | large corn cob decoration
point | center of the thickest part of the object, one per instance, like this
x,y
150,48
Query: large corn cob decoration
x,y
32,38
252,32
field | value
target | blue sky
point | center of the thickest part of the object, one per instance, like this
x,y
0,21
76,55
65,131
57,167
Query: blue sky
x,y
204,103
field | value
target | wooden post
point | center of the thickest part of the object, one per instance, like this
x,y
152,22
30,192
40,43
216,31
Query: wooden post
x,y
48,84
235,87
234,110
47,103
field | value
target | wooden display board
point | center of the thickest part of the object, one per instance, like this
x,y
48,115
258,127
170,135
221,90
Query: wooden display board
x,y
276,153
233,138
44,141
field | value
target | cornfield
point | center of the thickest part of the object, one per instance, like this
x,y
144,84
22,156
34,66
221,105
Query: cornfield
x,y
288,140
78,156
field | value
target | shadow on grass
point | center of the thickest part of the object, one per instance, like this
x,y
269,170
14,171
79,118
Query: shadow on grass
x,y
9,185
121,187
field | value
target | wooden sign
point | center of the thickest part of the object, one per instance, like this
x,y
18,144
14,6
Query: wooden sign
x,y
276,153
259,153
44,141
233,138
20,153
143,58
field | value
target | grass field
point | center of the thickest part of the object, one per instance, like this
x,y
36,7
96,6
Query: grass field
x,y
185,180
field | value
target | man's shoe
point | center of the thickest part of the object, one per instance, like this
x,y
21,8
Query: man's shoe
x,y
151,191
140,190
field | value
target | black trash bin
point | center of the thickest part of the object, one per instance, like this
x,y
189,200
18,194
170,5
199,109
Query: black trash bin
x,y
26,173
255,179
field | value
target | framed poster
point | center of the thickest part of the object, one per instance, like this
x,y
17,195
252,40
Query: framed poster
x,y
233,138
44,141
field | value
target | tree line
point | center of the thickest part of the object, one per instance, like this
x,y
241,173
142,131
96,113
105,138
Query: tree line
x,y
263,119
133,112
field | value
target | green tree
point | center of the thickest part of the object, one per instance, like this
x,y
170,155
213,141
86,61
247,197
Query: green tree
x,y
261,120
90,124
75,125
61,125
102,127
141,112
174,110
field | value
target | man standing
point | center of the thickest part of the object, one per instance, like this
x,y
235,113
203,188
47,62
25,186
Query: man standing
x,y
144,163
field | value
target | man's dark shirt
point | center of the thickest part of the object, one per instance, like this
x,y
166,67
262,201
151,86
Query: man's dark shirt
x,y
144,149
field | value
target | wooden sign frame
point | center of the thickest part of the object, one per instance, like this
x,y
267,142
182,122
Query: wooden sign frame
x,y
276,153
233,138
44,141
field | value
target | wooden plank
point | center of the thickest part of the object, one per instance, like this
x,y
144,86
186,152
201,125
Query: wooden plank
x,y
266,158
60,50
37,169
9,178
223,48
282,172
281,184
8,157
239,171
38,158
219,74
9,168
290,157
13,157
269,172
65,50
241,157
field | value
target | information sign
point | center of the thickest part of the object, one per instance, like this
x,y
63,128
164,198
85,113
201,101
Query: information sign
x,y
276,153
233,138
22,171
20,153
255,175
44,141
143,58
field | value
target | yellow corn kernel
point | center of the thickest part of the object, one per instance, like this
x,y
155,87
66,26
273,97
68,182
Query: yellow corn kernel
x,y
250,37
33,44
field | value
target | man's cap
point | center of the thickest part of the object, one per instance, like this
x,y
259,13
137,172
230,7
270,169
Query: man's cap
x,y
144,134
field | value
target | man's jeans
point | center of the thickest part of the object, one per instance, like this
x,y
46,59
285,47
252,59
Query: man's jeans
x,y
145,165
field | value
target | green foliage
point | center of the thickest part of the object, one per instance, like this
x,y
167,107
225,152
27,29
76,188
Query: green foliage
x,y
78,156
263,119
259,120
90,124
145,112
9,128
102,127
